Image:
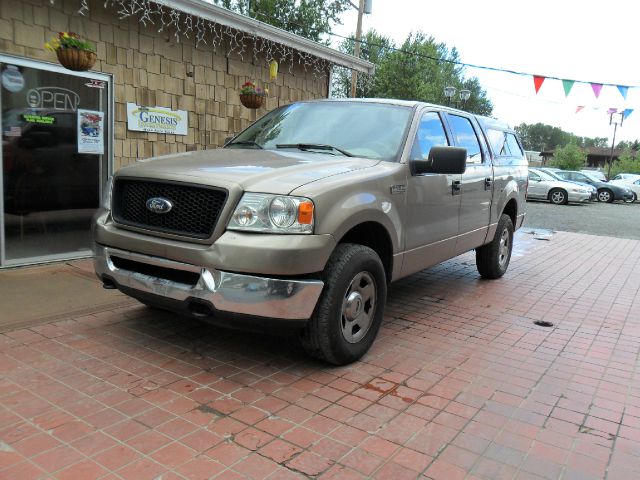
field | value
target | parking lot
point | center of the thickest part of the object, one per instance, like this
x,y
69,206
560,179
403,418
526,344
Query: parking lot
x,y
621,220
461,383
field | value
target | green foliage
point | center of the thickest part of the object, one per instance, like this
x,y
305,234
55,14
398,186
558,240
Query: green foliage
x,y
307,18
628,162
569,157
418,70
540,137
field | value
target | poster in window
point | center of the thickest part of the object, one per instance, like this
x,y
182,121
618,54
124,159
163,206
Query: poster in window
x,y
90,132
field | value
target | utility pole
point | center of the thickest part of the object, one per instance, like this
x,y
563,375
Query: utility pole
x,y
356,48
613,143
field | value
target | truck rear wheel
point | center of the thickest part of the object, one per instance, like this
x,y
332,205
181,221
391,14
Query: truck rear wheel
x,y
492,259
349,312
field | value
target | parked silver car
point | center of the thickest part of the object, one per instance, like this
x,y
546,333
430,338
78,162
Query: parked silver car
x,y
553,172
545,187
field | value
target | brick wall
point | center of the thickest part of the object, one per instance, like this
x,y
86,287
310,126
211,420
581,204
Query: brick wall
x,y
151,69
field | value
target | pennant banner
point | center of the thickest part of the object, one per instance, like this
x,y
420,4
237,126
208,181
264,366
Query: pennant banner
x,y
627,112
567,85
579,108
597,87
612,110
623,91
537,82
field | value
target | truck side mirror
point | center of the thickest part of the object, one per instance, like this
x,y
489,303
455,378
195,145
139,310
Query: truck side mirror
x,y
446,160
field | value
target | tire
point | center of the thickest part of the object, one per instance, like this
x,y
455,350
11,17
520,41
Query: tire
x,y
349,312
605,195
633,199
558,196
492,259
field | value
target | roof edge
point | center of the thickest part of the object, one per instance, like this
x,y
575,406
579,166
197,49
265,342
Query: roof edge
x,y
214,13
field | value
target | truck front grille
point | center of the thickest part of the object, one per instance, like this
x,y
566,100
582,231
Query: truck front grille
x,y
194,209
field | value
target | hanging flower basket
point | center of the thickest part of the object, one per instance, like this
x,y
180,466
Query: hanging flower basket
x,y
77,60
251,100
73,52
252,96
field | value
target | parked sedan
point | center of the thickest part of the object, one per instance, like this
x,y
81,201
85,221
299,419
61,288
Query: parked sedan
x,y
607,192
632,183
626,176
545,187
553,172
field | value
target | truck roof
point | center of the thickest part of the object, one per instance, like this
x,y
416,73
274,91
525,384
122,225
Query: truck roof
x,y
486,122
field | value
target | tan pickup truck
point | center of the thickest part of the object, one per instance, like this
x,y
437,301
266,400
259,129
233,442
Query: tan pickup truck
x,y
309,213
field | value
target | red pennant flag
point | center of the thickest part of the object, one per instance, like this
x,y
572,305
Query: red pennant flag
x,y
538,81
597,87
579,108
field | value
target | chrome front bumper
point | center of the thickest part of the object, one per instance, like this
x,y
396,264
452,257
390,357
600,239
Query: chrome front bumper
x,y
226,292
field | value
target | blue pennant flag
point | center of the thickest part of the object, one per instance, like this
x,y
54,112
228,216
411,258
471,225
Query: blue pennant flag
x,y
623,91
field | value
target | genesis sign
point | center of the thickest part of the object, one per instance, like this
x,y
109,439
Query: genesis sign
x,y
156,119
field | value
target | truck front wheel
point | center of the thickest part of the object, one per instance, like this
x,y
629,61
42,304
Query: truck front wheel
x,y
493,258
349,312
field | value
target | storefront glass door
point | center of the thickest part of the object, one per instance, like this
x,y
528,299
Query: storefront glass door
x,y
55,157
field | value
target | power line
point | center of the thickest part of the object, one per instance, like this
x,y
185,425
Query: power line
x,y
454,62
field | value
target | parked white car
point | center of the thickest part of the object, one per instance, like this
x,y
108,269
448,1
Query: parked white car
x,y
632,183
626,176
543,186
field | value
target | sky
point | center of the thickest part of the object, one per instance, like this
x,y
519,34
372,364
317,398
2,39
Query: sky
x,y
587,41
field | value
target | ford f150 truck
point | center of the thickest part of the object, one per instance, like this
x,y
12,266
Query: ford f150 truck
x,y
308,214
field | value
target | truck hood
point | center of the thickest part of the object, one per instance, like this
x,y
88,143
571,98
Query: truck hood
x,y
270,171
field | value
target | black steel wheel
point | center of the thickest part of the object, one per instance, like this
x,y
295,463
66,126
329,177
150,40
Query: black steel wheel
x,y
492,259
349,312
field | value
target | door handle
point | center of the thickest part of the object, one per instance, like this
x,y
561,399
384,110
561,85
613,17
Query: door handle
x,y
487,183
456,187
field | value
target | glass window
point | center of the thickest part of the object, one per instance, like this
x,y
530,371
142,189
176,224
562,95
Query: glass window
x,y
465,136
514,146
498,141
51,180
369,130
534,176
430,134
637,182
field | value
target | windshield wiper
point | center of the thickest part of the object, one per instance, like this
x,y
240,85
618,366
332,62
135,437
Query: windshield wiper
x,y
248,142
314,146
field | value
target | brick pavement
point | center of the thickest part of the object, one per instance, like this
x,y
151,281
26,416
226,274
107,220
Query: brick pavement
x,y
460,384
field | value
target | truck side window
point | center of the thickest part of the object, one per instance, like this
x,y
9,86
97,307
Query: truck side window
x,y
430,134
514,146
498,142
466,137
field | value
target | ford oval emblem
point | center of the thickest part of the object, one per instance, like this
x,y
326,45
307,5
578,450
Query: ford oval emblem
x,y
159,205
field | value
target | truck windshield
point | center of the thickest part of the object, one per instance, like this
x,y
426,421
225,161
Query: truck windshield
x,y
369,130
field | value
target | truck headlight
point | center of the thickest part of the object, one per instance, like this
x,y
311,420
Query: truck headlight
x,y
106,194
260,212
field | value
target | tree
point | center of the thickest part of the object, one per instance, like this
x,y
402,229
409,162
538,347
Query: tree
x,y
569,157
418,70
374,48
540,137
628,162
307,18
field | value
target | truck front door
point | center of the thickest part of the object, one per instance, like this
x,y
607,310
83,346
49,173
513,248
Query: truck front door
x,y
433,203
477,183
